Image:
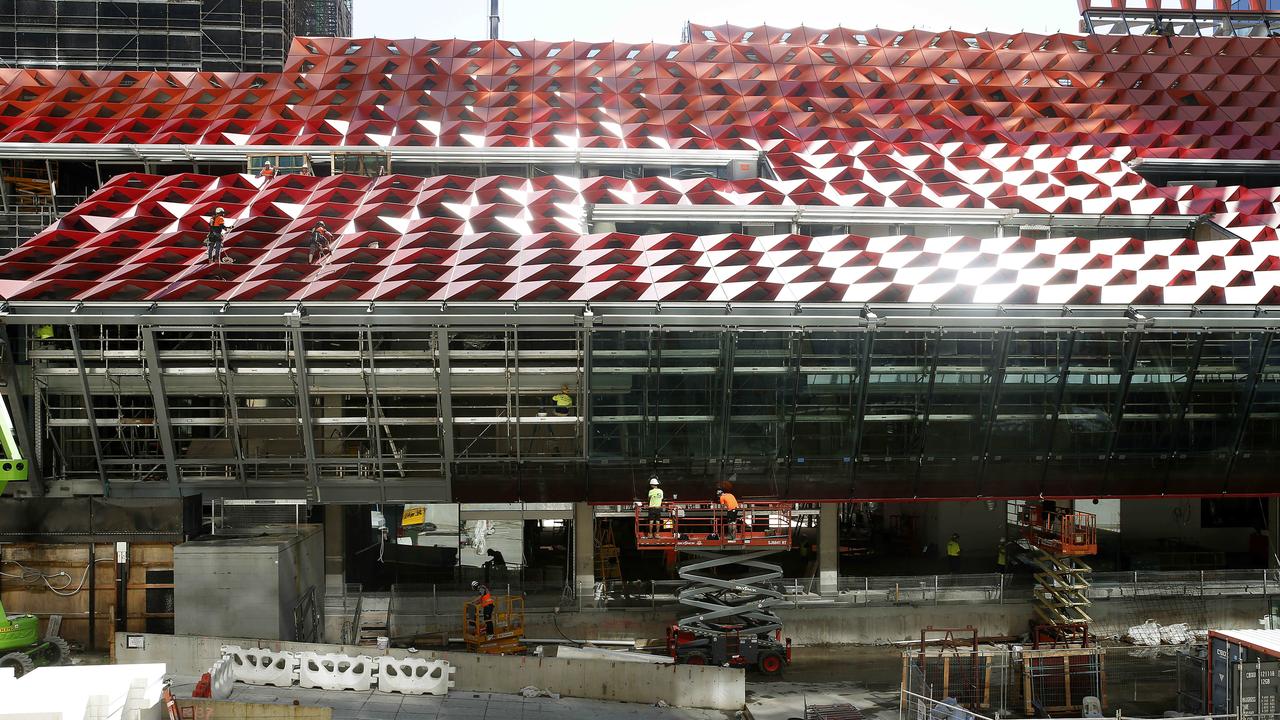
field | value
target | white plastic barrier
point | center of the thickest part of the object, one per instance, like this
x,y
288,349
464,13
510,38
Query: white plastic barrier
x,y
221,679
257,666
414,676
336,672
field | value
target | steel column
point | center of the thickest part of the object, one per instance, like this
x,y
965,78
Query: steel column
x,y
1246,407
444,392
88,405
728,345
1126,379
1059,395
232,404
998,369
797,351
860,406
928,407
1178,431
304,411
159,398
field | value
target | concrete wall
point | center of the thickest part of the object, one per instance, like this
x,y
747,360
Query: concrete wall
x,y
677,685
861,625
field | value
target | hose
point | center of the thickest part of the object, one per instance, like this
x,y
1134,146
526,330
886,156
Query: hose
x,y
31,576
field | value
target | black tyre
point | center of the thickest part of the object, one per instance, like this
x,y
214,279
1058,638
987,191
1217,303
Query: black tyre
x,y
19,661
770,663
58,651
696,657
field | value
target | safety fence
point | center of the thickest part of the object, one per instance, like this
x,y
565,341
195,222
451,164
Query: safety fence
x,y
976,588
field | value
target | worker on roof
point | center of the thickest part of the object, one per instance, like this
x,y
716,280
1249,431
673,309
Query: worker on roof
x,y
953,553
729,502
267,171
318,242
655,506
563,401
213,241
485,602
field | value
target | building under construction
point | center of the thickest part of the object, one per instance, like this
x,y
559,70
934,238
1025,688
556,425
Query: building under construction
x,y
211,35
932,305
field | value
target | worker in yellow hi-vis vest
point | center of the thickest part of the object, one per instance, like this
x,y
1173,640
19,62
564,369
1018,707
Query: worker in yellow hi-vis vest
x,y
953,553
563,401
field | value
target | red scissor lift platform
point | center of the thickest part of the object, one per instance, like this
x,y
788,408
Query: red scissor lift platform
x,y
730,585
1057,539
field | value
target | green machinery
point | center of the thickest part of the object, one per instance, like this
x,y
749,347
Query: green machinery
x,y
21,646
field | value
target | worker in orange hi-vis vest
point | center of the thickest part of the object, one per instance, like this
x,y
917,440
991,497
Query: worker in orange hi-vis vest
x,y
485,601
730,503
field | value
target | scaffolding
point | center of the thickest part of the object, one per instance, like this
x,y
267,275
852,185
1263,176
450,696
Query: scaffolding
x,y
1055,541
212,35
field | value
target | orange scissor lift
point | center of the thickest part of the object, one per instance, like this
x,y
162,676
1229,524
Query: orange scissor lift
x,y
1058,539
729,581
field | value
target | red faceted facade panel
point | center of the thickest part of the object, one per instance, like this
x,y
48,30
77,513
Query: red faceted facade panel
x,y
1042,124
403,238
762,88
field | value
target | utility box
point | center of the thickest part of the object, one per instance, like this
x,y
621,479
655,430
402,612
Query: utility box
x,y
263,583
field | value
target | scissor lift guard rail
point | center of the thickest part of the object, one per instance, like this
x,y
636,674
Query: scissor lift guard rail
x,y
1057,540
730,586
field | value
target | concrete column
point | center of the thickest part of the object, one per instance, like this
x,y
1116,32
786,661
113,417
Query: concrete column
x,y
584,552
335,541
1273,532
828,548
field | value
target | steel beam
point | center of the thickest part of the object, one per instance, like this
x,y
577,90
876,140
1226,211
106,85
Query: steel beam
x,y
304,409
998,369
1059,395
87,397
1246,408
159,398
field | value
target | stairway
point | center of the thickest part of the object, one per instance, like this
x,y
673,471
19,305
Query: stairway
x,y
1062,588
373,625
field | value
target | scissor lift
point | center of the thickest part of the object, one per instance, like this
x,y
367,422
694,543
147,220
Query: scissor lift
x,y
1057,540
730,584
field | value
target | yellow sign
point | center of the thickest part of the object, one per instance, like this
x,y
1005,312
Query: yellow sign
x,y
413,515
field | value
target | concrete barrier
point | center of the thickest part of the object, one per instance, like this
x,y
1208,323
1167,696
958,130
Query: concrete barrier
x,y
678,685
224,710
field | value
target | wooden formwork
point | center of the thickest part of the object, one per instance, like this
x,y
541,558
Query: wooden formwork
x,y
73,603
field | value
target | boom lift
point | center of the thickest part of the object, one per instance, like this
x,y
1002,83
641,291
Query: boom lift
x,y
729,581
21,647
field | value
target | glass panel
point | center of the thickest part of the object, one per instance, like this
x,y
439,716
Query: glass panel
x,y
686,402
1204,440
1156,391
892,433
1024,412
621,378
1255,466
1082,436
956,428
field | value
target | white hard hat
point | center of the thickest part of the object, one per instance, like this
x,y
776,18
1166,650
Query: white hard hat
x,y
218,211
475,583
653,480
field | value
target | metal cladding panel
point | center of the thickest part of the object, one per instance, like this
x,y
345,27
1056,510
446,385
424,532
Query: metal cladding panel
x,y
215,579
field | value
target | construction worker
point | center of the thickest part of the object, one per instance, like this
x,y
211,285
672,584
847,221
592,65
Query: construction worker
x,y
495,563
953,553
563,401
44,332
1002,558
267,171
730,504
485,601
655,506
318,242
213,241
